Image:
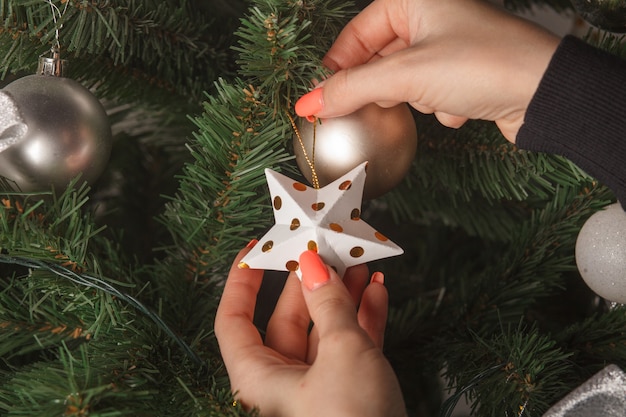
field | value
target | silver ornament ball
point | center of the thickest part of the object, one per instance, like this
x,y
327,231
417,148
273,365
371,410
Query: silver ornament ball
x,y
601,253
65,132
384,137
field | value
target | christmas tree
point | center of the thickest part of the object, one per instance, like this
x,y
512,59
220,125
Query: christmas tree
x,y
109,291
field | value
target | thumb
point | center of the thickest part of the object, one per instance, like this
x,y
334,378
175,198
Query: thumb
x,y
333,97
330,305
350,89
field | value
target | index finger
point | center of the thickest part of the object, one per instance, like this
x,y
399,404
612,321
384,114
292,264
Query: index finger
x,y
234,328
364,36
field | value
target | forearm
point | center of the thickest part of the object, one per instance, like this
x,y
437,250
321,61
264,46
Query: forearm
x,y
579,111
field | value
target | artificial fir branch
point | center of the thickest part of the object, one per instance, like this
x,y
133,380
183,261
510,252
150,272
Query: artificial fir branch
x,y
242,132
281,45
102,285
597,340
59,231
532,372
488,230
218,204
42,308
221,201
478,161
611,42
74,384
474,179
166,44
475,290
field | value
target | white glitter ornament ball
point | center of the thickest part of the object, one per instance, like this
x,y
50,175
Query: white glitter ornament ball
x,y
601,253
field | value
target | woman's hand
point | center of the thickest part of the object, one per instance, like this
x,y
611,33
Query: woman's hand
x,y
458,59
335,369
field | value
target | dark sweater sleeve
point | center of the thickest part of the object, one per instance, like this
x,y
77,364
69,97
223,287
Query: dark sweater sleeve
x,y
579,111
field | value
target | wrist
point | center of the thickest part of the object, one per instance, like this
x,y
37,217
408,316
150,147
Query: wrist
x,y
533,53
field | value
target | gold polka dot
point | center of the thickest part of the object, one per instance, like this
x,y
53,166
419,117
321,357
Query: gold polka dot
x,y
357,252
335,227
381,237
278,202
345,185
312,245
243,265
318,206
355,214
299,186
295,223
292,266
267,246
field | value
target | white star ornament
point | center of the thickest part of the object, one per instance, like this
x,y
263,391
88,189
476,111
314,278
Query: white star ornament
x,y
327,220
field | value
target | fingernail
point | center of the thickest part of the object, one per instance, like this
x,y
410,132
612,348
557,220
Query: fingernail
x,y
310,103
378,277
252,243
314,271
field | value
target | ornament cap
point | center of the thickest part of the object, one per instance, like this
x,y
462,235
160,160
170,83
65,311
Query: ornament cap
x,y
52,66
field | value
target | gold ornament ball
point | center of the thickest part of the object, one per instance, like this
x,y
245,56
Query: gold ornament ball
x,y
384,137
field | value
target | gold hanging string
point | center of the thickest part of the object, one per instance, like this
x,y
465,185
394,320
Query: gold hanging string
x,y
57,15
310,161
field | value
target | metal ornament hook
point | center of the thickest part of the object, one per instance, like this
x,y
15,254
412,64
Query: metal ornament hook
x,y
52,66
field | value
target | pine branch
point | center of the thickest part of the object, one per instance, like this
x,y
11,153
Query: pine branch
x,y
528,372
70,384
474,179
489,230
596,341
221,200
519,276
467,288
219,204
610,42
167,45
281,45
59,232
40,314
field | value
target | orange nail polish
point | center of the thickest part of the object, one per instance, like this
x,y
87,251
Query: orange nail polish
x,y
252,243
314,271
378,277
310,103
